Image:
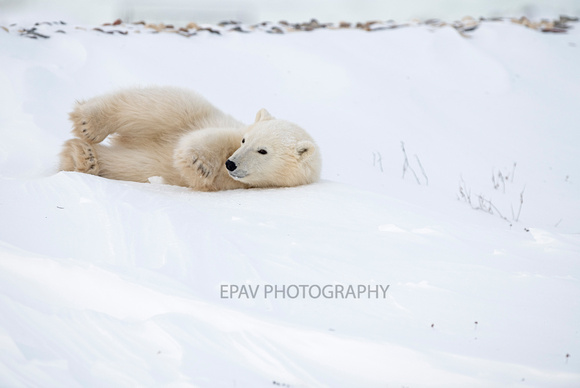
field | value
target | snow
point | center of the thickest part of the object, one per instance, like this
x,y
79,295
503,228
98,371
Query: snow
x,y
111,283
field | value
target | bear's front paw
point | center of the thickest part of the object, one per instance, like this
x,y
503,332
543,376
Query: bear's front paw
x,y
203,167
198,171
87,125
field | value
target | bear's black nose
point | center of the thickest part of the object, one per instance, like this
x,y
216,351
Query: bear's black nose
x,y
231,166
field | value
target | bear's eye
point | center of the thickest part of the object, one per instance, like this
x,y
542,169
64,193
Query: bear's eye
x,y
263,152
243,141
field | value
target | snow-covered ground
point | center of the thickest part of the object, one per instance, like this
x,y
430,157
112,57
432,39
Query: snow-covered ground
x,y
110,283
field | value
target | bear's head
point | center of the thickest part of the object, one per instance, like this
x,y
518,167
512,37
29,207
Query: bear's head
x,y
275,153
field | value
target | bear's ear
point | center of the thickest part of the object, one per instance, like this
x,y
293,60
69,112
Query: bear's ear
x,y
304,149
262,115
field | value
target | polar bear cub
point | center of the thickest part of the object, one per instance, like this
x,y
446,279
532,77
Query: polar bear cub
x,y
178,135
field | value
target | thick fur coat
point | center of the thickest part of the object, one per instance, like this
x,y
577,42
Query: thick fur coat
x,y
178,135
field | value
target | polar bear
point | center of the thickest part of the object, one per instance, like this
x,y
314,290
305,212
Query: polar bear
x,y
178,135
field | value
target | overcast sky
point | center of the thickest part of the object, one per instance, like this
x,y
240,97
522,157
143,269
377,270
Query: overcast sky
x,y
253,11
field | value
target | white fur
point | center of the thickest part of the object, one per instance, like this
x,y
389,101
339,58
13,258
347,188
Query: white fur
x,y
179,136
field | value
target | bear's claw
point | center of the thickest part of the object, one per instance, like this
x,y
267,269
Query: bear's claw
x,y
203,168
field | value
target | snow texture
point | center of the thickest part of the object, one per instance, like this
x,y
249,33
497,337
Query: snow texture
x,y
451,173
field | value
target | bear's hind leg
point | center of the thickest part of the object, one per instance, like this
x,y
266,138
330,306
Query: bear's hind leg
x,y
78,155
90,121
